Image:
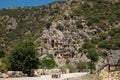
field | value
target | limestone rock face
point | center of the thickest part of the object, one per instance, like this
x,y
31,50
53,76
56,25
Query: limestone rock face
x,y
114,57
100,63
64,44
11,24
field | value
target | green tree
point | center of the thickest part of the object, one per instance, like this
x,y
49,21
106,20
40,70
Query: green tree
x,y
23,57
2,53
92,54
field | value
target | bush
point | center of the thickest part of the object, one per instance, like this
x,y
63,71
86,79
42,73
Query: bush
x,y
60,27
71,67
89,23
80,50
115,33
93,54
67,61
48,63
63,68
81,66
79,26
48,25
117,42
2,53
102,35
66,17
105,44
104,54
3,65
95,40
88,45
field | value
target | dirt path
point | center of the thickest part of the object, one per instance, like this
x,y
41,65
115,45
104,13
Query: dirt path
x,y
48,77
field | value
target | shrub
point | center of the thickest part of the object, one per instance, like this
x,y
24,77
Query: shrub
x,y
66,17
3,65
79,26
81,66
93,54
105,44
71,67
60,27
2,53
89,23
104,54
67,61
88,45
95,40
114,32
48,25
91,66
48,63
80,49
103,35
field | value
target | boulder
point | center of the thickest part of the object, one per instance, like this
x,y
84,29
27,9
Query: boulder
x,y
18,74
15,73
11,73
38,72
4,75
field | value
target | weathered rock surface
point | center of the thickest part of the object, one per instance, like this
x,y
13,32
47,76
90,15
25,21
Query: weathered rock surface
x,y
15,73
4,75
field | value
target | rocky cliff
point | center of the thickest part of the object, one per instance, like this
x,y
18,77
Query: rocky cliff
x,y
72,31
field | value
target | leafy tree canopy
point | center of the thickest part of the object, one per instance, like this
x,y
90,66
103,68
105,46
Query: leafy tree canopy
x,y
23,57
93,54
2,53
